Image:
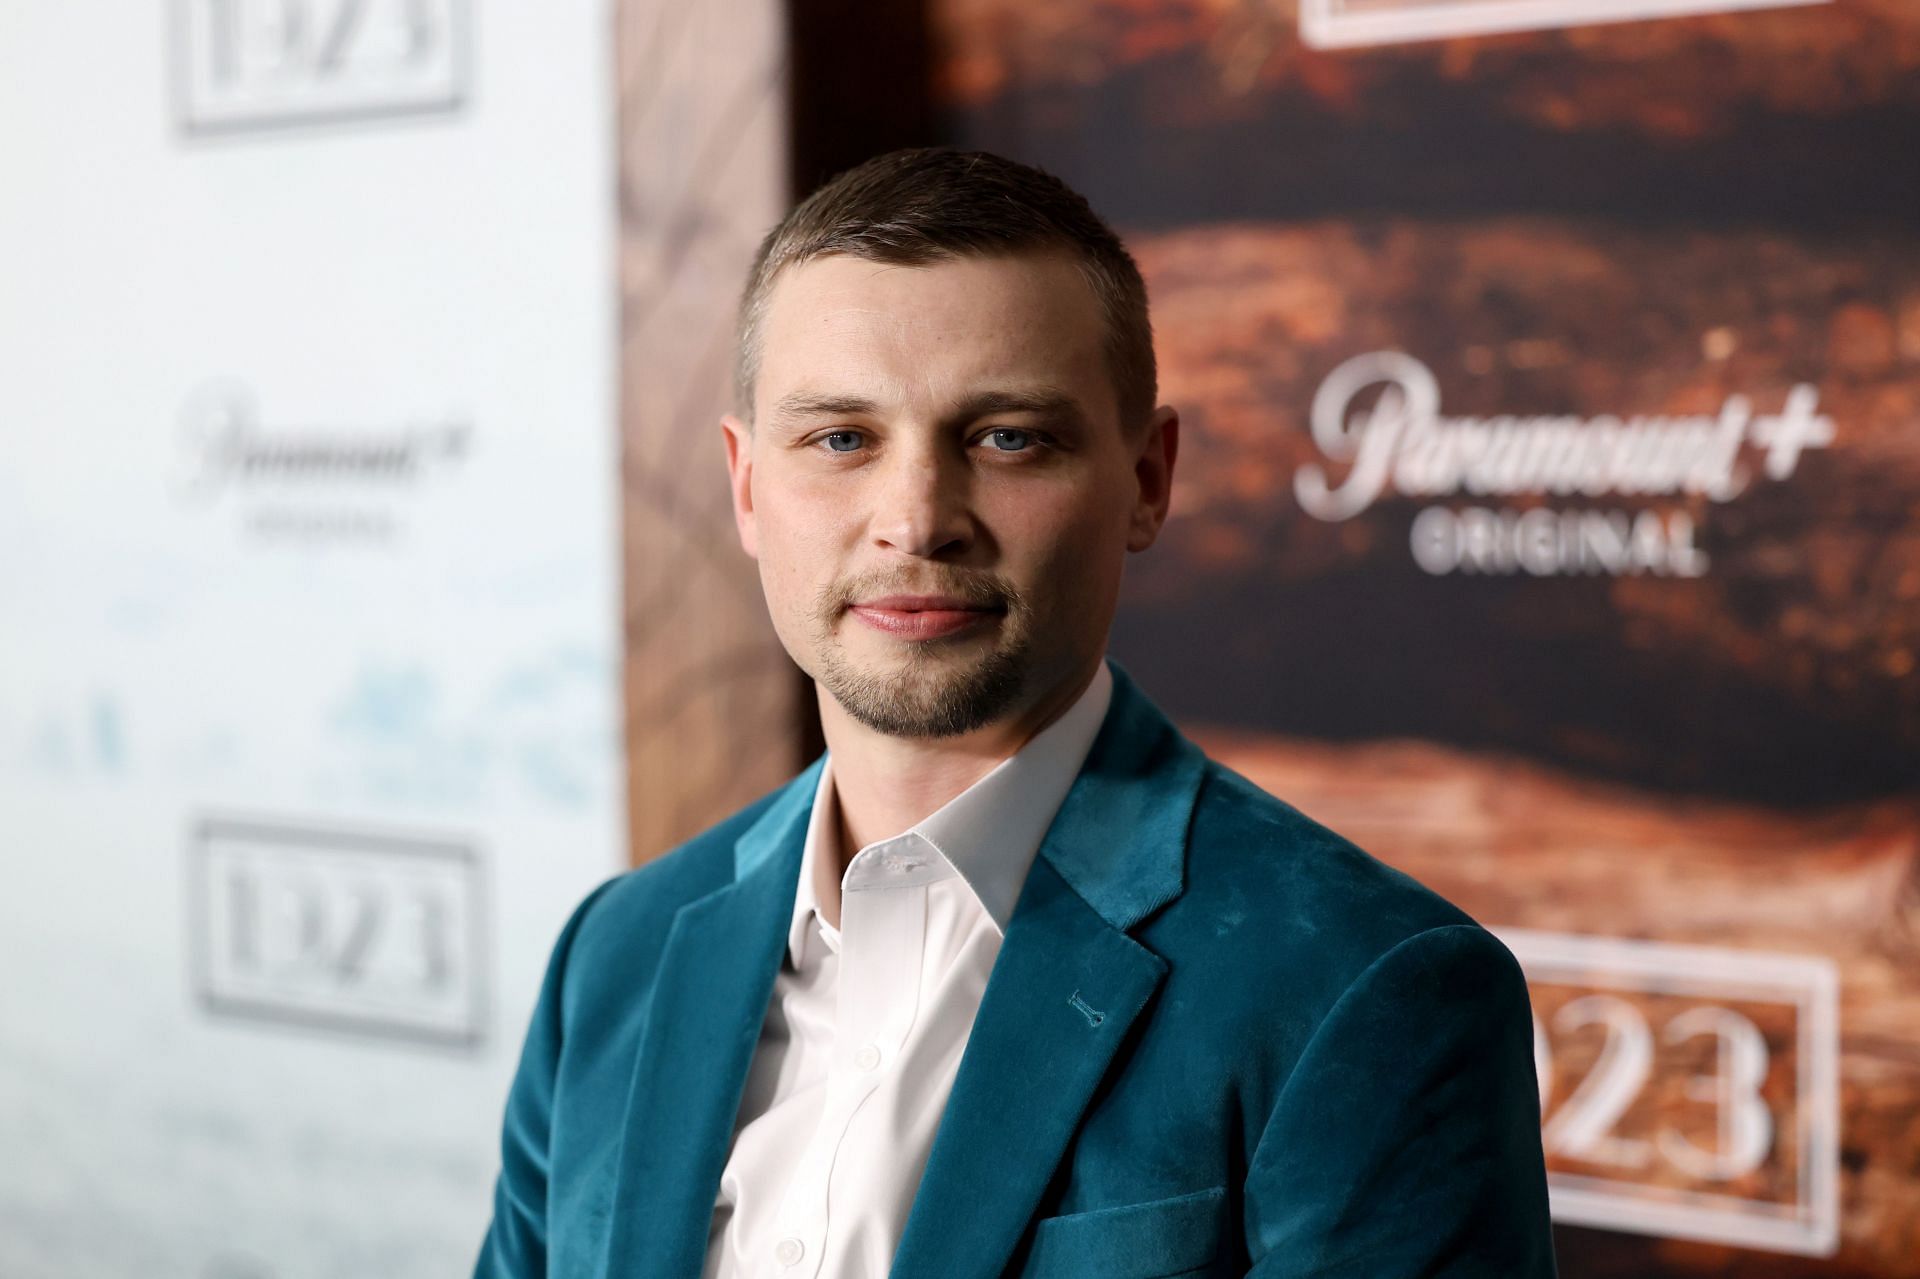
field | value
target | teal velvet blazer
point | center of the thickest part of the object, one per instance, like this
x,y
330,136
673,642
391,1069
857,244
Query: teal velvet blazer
x,y
1218,1040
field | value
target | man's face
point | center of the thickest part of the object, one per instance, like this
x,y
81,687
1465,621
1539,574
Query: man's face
x,y
937,487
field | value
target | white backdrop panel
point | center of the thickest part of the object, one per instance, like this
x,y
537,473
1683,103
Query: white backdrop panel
x,y
308,615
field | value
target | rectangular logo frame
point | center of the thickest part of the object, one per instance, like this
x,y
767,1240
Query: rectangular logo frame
x,y
287,918
321,72
1340,24
1810,984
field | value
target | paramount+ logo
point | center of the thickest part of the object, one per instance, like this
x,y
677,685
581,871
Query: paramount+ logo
x,y
311,483
1378,425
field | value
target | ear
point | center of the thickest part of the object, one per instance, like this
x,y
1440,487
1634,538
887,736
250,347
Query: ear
x,y
740,480
1153,471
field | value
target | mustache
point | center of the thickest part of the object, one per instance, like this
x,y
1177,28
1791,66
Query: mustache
x,y
981,590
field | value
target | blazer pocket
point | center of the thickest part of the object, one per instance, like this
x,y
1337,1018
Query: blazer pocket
x,y
1161,1237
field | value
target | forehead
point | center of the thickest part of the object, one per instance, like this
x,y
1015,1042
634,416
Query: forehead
x,y
906,335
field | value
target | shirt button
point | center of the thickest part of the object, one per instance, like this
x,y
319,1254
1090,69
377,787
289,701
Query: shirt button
x,y
867,1057
789,1251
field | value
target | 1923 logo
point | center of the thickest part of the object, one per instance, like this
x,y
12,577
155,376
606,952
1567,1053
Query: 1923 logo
x,y
1687,1091
376,933
244,64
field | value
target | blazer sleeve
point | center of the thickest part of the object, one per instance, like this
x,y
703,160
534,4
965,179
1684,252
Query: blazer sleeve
x,y
515,1246
1406,1142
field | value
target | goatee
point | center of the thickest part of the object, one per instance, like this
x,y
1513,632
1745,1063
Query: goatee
x,y
928,693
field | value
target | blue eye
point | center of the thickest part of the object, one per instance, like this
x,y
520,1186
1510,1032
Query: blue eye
x,y
1021,439
853,436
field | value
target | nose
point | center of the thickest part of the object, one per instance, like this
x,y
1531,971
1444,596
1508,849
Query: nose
x,y
921,508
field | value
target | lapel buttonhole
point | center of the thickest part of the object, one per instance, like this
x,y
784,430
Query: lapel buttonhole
x,y
1093,1015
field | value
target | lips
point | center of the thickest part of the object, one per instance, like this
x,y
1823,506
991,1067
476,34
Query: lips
x,y
924,603
923,616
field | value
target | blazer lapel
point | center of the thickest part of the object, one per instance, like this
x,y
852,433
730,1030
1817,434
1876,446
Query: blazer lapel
x,y
1067,985
710,996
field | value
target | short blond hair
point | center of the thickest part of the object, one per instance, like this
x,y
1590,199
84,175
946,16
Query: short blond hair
x,y
930,204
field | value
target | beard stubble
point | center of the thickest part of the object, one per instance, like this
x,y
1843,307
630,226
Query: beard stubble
x,y
931,691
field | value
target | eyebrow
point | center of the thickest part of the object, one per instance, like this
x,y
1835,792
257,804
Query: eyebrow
x,y
802,404
1046,402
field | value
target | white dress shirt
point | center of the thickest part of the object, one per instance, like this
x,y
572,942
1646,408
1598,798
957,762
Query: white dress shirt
x,y
867,1023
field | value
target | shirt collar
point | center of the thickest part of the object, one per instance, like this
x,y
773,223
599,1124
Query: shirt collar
x,y
990,832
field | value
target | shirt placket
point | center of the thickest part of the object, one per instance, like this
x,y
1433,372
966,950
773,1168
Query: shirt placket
x,y
883,926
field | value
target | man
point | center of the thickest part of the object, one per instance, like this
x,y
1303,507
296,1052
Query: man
x,y
1012,980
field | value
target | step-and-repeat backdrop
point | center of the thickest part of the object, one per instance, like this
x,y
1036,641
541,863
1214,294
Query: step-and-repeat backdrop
x,y
1548,521
309,615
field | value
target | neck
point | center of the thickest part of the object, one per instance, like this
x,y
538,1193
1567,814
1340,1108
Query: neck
x,y
884,785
